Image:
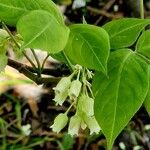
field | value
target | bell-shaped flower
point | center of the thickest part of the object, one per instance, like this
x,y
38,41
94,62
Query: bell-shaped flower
x,y
92,124
86,104
60,97
75,89
74,125
63,85
61,90
59,123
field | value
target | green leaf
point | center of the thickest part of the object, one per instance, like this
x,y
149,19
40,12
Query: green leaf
x,y
67,142
121,94
60,57
147,100
124,32
143,44
41,30
3,41
12,10
3,61
88,46
3,35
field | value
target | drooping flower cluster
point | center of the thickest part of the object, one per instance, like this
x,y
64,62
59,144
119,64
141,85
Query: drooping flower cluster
x,y
76,88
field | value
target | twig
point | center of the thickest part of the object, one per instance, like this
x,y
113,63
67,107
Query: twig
x,y
105,8
27,72
101,12
56,72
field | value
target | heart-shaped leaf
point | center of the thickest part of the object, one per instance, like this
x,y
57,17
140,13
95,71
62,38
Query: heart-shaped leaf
x,y
12,10
124,32
121,94
88,46
41,30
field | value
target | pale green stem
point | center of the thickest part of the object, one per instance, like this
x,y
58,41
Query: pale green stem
x,y
44,61
142,9
37,61
70,107
68,61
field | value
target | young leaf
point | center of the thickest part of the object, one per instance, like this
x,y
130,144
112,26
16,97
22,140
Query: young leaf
x,y
143,44
41,30
124,32
12,10
121,94
88,46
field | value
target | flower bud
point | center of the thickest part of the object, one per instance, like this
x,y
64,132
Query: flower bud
x,y
63,85
92,124
86,104
60,97
74,125
75,89
59,123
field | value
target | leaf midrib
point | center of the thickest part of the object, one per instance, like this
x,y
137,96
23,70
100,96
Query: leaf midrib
x,y
126,29
37,35
103,68
17,8
119,75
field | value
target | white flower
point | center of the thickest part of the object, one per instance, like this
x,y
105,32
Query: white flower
x,y
59,123
86,104
26,129
60,97
78,4
63,85
92,124
75,89
74,125
61,90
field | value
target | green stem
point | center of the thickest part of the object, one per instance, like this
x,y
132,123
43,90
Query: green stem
x,y
37,61
70,107
10,34
16,43
142,9
78,76
68,61
31,62
44,61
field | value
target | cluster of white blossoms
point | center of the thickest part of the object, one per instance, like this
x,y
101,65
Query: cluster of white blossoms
x,y
77,90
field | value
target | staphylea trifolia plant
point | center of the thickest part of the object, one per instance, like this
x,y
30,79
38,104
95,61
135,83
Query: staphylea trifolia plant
x,y
109,65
